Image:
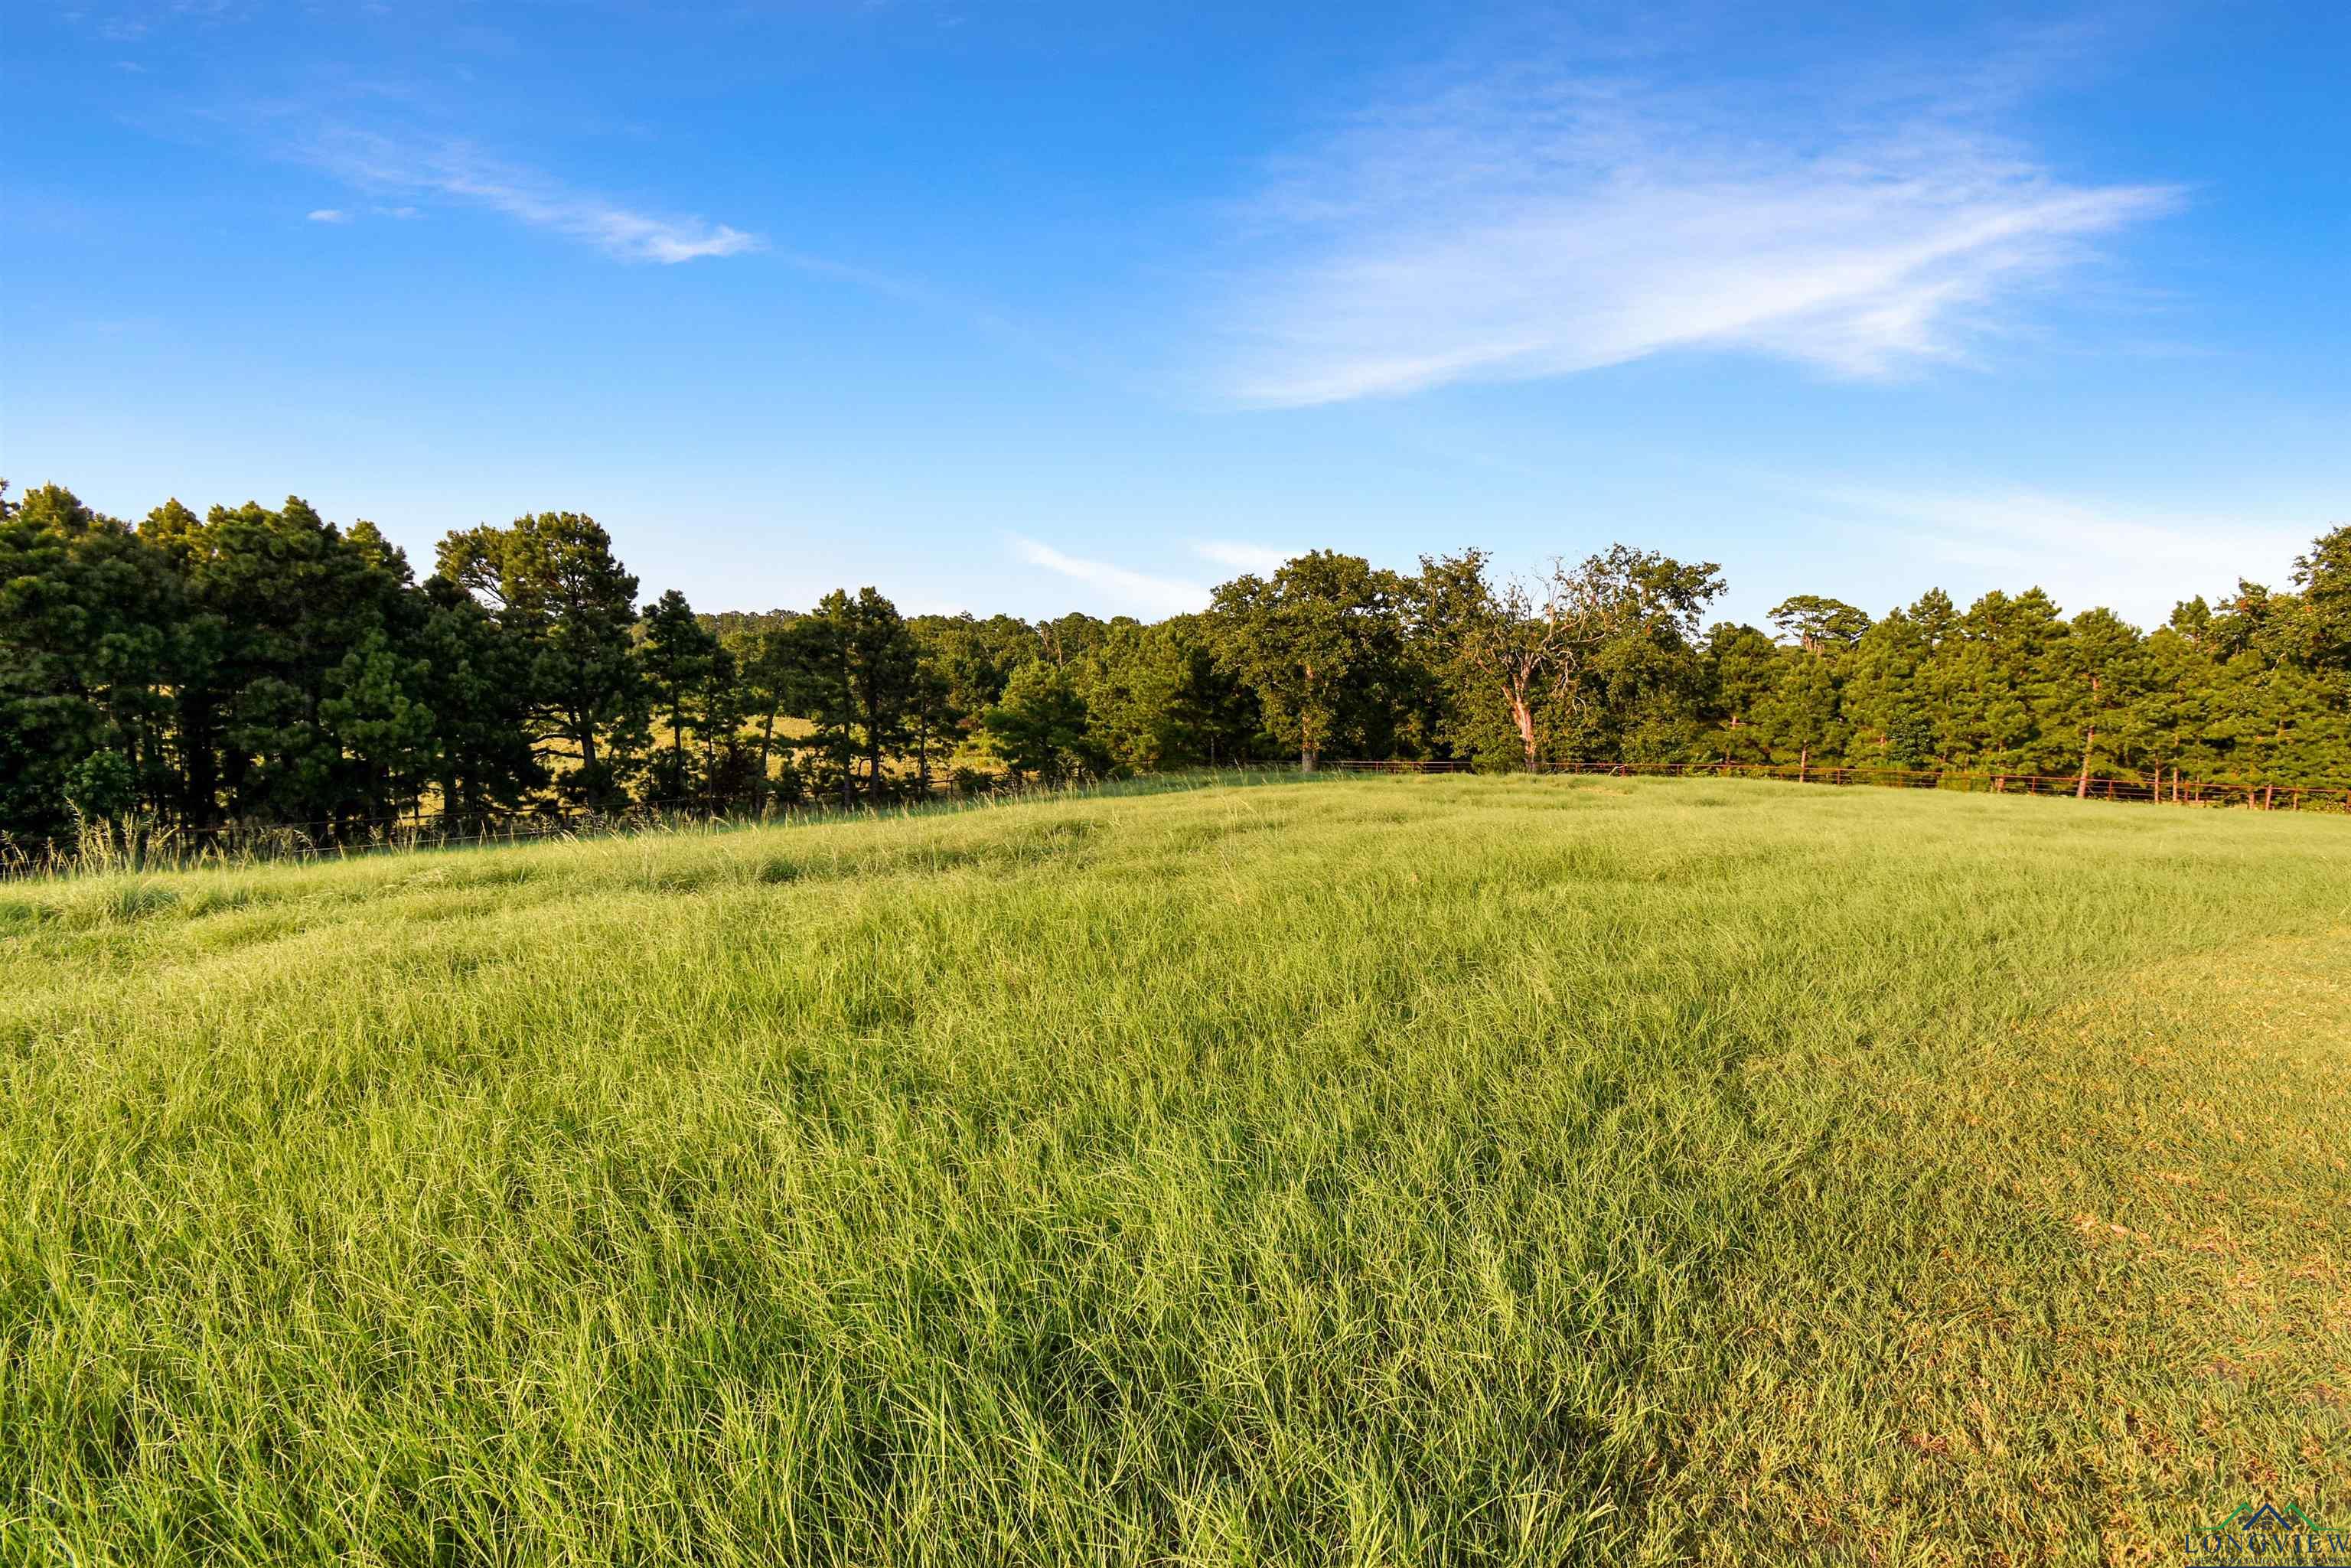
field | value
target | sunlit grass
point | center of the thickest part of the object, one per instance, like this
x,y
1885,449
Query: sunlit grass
x,y
1366,1171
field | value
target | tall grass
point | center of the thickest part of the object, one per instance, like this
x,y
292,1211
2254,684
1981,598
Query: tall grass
x,y
1379,1171
106,847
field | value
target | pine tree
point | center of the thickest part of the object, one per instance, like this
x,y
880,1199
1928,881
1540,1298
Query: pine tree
x,y
1039,727
1741,668
2097,677
83,609
769,670
857,663
1803,715
552,577
678,657
478,683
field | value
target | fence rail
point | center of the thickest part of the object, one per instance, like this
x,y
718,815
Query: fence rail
x,y
2170,790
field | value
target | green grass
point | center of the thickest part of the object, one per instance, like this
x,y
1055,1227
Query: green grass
x,y
1379,1171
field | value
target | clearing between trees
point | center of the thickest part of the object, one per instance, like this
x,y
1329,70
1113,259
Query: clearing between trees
x,y
1522,1170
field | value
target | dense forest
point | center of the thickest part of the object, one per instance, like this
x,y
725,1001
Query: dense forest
x,y
261,667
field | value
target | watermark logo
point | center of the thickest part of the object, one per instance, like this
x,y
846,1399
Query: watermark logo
x,y
2261,1535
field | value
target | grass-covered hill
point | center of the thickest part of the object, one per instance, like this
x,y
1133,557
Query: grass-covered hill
x,y
1380,1171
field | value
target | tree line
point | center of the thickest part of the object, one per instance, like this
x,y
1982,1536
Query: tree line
x,y
256,666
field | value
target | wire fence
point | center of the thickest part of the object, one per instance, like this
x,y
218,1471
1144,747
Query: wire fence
x,y
141,844
2161,789
144,844
156,844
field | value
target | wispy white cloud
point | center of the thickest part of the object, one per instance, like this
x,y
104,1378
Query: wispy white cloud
x,y
330,215
456,170
1531,222
1127,590
2135,560
1262,560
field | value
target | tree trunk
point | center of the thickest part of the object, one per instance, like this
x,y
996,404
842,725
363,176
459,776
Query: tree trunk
x,y
202,805
1306,748
767,743
2081,787
1803,761
1523,717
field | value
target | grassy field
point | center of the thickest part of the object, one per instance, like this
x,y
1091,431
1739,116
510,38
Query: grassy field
x,y
1378,1171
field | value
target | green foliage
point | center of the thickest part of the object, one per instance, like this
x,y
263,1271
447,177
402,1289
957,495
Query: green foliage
x,y
101,787
371,705
83,661
858,664
1320,641
1497,658
976,657
678,658
294,623
552,577
1742,666
265,669
1819,624
1599,660
1803,714
477,685
1157,697
2325,578
1040,728
768,670
1632,677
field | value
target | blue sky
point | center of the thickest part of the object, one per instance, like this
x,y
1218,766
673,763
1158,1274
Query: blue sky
x,y
1041,307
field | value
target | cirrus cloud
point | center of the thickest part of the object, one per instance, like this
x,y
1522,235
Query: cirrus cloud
x,y
1535,223
456,171
1126,588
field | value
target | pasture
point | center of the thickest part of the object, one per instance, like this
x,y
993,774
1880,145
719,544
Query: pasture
x,y
1379,1171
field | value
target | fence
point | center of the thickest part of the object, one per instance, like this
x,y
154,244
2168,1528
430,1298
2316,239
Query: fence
x,y
146,845
2261,796
1430,767
143,844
